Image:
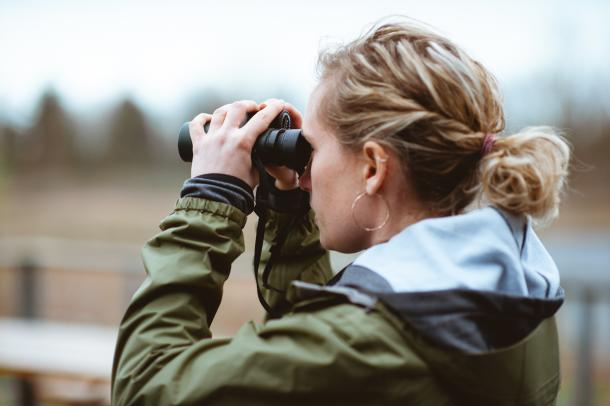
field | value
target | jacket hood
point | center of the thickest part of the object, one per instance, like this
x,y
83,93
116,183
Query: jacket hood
x,y
486,249
473,282
474,295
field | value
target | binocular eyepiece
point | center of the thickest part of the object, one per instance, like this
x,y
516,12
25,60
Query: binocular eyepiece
x,y
278,145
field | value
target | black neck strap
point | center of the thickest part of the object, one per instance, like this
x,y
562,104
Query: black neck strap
x,y
261,208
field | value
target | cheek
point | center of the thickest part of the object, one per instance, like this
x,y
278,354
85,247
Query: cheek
x,y
316,174
332,181
323,184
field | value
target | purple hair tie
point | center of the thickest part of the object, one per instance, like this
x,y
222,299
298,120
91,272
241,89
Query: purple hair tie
x,y
488,143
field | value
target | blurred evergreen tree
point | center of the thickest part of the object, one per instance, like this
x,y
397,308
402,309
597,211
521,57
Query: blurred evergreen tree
x,y
51,141
206,101
8,148
129,137
588,129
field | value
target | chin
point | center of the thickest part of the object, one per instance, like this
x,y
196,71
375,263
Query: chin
x,y
344,246
328,243
324,242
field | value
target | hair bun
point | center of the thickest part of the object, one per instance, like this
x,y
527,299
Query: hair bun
x,y
526,173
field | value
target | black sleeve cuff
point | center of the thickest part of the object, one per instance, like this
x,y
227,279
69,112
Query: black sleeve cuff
x,y
220,188
231,190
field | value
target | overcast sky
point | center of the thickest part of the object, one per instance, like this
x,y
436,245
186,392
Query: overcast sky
x,y
164,54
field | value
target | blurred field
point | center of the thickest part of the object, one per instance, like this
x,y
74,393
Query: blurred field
x,y
76,223
43,214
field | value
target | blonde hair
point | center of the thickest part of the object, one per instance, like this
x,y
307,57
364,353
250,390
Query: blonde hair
x,y
409,88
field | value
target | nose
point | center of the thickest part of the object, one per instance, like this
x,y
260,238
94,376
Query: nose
x,y
305,180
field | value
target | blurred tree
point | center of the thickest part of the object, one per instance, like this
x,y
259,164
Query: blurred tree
x,y
588,127
51,141
206,101
129,137
8,148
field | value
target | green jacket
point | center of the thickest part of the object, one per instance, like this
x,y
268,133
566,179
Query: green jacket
x,y
335,344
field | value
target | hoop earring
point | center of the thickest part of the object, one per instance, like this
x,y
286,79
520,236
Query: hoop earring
x,y
385,220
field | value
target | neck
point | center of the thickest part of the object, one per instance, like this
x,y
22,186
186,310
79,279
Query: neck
x,y
399,220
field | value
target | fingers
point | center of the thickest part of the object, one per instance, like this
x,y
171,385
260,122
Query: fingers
x,y
231,116
285,178
296,117
261,120
218,118
196,125
236,112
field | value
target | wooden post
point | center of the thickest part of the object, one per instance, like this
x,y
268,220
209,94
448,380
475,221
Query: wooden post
x,y
583,392
28,271
28,310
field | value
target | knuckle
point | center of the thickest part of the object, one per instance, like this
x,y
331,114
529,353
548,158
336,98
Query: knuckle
x,y
195,127
239,140
197,120
264,114
221,110
249,103
237,106
243,145
245,105
221,134
277,102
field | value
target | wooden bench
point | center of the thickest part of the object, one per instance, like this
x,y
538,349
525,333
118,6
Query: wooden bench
x,y
67,363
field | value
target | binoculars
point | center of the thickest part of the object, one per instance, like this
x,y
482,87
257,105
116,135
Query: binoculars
x,y
278,145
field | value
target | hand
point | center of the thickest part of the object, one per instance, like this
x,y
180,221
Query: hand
x,y
286,178
226,148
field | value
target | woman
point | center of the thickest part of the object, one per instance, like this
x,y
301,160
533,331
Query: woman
x,y
447,303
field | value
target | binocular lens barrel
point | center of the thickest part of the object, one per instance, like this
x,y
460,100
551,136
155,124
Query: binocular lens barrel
x,y
279,145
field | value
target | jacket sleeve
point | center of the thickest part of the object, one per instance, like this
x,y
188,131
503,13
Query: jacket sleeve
x,y
165,333
186,264
301,258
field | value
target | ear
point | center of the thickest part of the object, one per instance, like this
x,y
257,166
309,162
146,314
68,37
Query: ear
x,y
375,167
